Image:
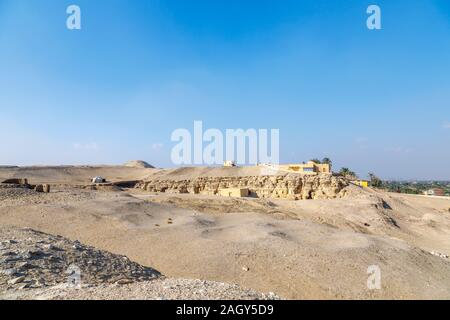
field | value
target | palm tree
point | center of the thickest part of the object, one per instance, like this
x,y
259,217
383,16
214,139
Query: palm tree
x,y
375,181
327,161
347,173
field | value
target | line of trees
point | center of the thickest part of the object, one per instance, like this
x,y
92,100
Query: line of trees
x,y
375,181
349,174
323,161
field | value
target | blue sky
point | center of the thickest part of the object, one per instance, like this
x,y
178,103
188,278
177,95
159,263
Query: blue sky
x,y
115,90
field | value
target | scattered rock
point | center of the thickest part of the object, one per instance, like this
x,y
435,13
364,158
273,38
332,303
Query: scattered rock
x,y
45,188
23,286
9,272
24,265
440,255
17,280
51,247
124,281
98,180
77,247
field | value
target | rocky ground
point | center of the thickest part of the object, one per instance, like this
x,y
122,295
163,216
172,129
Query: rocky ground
x,y
284,186
30,259
17,196
35,265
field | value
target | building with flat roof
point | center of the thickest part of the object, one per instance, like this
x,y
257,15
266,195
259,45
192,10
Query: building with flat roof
x,y
310,167
234,192
435,192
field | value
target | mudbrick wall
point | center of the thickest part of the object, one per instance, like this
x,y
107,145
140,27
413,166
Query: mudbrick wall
x,y
294,187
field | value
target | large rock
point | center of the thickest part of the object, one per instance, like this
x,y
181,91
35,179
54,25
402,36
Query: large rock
x,y
45,188
19,181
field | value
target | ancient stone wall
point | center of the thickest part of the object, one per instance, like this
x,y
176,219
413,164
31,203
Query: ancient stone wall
x,y
294,187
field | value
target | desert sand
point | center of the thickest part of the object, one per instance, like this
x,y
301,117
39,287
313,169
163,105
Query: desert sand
x,y
306,249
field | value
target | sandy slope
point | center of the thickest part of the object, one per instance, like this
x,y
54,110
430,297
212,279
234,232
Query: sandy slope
x,y
36,265
75,174
187,173
83,174
297,249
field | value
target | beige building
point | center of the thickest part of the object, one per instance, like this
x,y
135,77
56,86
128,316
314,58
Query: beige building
x,y
307,168
234,192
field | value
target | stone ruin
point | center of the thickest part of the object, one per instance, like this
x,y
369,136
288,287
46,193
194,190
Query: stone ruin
x,y
17,181
23,183
292,187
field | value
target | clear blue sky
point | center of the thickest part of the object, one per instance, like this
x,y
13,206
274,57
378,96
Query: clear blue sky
x,y
115,90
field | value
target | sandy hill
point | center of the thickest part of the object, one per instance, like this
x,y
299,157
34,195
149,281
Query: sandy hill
x,y
74,174
138,164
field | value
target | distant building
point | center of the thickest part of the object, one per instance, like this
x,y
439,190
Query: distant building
x,y
307,168
234,192
435,192
361,183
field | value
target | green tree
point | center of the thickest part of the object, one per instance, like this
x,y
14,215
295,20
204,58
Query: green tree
x,y
316,161
327,161
375,181
347,173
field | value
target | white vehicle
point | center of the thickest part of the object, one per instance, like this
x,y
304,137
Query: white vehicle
x,y
98,180
229,164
